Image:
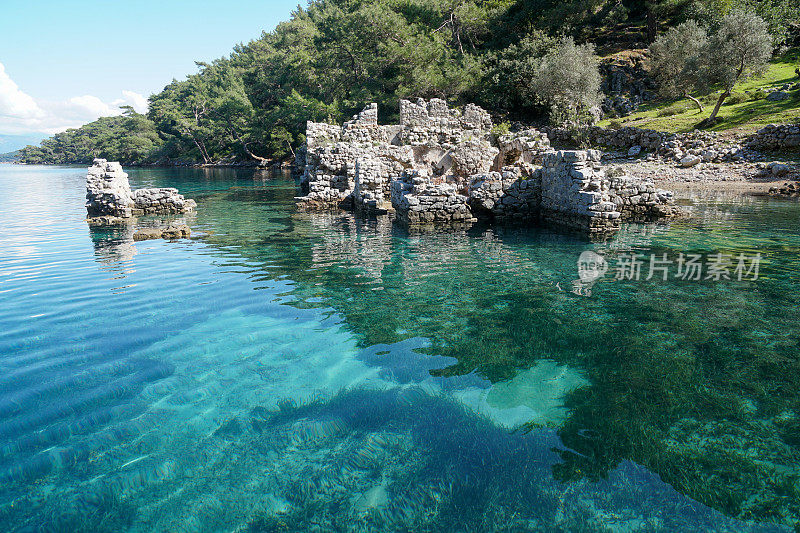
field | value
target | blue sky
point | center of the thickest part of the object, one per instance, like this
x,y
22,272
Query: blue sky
x,y
64,63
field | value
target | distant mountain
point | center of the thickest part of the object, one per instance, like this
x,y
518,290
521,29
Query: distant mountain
x,y
10,157
12,143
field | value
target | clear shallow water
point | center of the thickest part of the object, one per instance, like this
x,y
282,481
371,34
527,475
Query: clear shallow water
x,y
291,371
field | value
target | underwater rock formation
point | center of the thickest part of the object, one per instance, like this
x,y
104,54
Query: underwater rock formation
x,y
171,232
109,195
445,166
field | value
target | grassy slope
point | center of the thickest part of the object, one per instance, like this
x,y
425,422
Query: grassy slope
x,y
738,114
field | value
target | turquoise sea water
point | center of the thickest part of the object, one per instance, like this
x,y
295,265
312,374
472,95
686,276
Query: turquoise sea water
x,y
286,371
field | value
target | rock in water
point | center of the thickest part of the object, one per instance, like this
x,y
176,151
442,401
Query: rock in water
x,y
176,231
145,234
161,201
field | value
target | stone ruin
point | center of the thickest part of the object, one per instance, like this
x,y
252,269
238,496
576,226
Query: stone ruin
x,y
442,165
110,200
109,195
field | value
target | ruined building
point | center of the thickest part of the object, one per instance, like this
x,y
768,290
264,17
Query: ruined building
x,y
442,165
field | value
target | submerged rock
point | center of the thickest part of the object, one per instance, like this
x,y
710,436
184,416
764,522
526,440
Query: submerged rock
x,y
176,231
171,232
146,234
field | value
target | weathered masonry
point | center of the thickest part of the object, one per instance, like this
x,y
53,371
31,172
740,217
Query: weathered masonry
x,y
109,195
442,165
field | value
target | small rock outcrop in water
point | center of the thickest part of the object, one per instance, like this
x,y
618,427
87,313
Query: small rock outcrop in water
x,y
109,197
173,231
108,192
441,166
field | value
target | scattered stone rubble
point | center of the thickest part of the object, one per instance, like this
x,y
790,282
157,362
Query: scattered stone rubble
x,y
110,200
445,166
627,84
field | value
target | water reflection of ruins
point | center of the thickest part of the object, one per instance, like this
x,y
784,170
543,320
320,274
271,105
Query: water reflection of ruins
x,y
370,246
115,248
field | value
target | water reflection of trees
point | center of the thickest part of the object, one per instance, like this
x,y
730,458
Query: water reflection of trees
x,y
696,381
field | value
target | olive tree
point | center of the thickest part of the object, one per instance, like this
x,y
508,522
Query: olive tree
x,y
739,49
567,81
678,61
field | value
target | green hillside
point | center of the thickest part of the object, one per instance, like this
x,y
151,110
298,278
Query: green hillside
x,y
745,112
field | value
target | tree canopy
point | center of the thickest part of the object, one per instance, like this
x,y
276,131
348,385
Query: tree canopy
x,y
334,56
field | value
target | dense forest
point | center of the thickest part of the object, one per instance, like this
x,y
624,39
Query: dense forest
x,y
334,56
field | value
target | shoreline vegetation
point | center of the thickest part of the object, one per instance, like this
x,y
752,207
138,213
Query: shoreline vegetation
x,y
528,63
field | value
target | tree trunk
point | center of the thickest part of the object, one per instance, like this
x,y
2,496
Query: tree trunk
x,y
722,98
652,24
695,100
244,144
202,148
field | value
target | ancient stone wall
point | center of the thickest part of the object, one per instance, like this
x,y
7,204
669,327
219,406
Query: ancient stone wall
x,y
698,146
108,192
506,195
571,189
443,166
574,192
420,200
353,165
776,137
638,199
525,146
109,195
161,201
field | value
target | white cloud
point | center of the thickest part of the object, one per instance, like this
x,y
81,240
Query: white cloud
x,y
13,102
89,105
136,100
20,113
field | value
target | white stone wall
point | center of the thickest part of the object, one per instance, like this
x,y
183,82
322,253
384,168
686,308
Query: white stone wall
x,y
421,200
436,167
109,194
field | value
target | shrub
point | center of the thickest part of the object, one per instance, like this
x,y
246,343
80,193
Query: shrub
x,y
501,129
567,81
737,98
668,112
